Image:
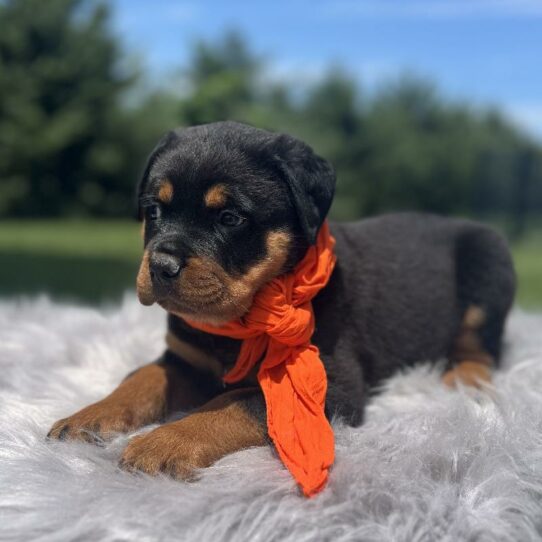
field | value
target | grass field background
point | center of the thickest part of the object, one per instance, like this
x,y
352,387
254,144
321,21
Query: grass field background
x,y
96,261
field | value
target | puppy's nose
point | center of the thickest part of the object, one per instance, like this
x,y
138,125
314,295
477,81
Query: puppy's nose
x,y
164,266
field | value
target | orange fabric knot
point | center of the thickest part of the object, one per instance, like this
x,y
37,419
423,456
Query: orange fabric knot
x,y
277,330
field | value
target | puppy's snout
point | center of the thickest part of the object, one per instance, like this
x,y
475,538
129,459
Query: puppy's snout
x,y
164,266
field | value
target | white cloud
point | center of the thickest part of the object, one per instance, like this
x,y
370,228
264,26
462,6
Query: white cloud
x,y
303,73
374,72
527,115
433,9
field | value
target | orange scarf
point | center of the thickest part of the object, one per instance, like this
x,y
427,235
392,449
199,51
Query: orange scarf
x,y
280,325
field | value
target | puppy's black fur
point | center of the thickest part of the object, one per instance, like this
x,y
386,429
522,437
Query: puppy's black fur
x,y
401,287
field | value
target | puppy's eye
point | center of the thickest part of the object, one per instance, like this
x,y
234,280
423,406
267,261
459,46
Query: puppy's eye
x,y
153,212
227,218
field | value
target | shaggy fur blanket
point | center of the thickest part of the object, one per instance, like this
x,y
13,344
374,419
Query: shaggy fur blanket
x,y
429,463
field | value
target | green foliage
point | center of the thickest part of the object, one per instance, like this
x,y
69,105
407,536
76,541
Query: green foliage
x,y
221,79
59,91
69,144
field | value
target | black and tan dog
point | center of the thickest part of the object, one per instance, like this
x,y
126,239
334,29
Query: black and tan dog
x,y
226,207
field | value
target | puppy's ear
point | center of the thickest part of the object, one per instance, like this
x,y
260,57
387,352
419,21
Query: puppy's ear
x,y
156,152
311,181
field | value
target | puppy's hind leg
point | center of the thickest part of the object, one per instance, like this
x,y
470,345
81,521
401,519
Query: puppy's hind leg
x,y
486,287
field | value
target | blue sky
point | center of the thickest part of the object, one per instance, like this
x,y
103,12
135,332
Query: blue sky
x,y
486,51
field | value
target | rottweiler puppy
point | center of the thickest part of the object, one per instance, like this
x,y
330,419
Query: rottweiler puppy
x,y
227,207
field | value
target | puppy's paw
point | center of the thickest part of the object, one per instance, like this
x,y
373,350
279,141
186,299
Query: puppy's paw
x,y
95,423
170,449
468,373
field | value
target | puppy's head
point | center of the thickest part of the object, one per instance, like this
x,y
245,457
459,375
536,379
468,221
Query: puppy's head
x,y
226,207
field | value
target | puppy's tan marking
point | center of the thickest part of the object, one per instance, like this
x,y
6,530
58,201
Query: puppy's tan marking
x,y
469,373
472,364
216,296
143,281
278,245
194,356
216,196
222,426
165,193
474,317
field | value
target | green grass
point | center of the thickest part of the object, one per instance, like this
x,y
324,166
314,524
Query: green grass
x,y
90,261
94,261
81,238
528,262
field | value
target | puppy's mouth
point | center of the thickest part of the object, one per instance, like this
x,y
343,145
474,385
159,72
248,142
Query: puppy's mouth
x,y
203,301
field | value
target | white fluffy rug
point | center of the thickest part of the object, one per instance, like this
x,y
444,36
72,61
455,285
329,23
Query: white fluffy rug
x,y
429,464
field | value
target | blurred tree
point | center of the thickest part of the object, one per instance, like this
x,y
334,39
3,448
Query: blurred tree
x,y
69,143
332,121
59,121
420,151
221,78
526,164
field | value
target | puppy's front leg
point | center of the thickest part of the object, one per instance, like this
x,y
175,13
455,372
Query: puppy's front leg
x,y
145,396
232,421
